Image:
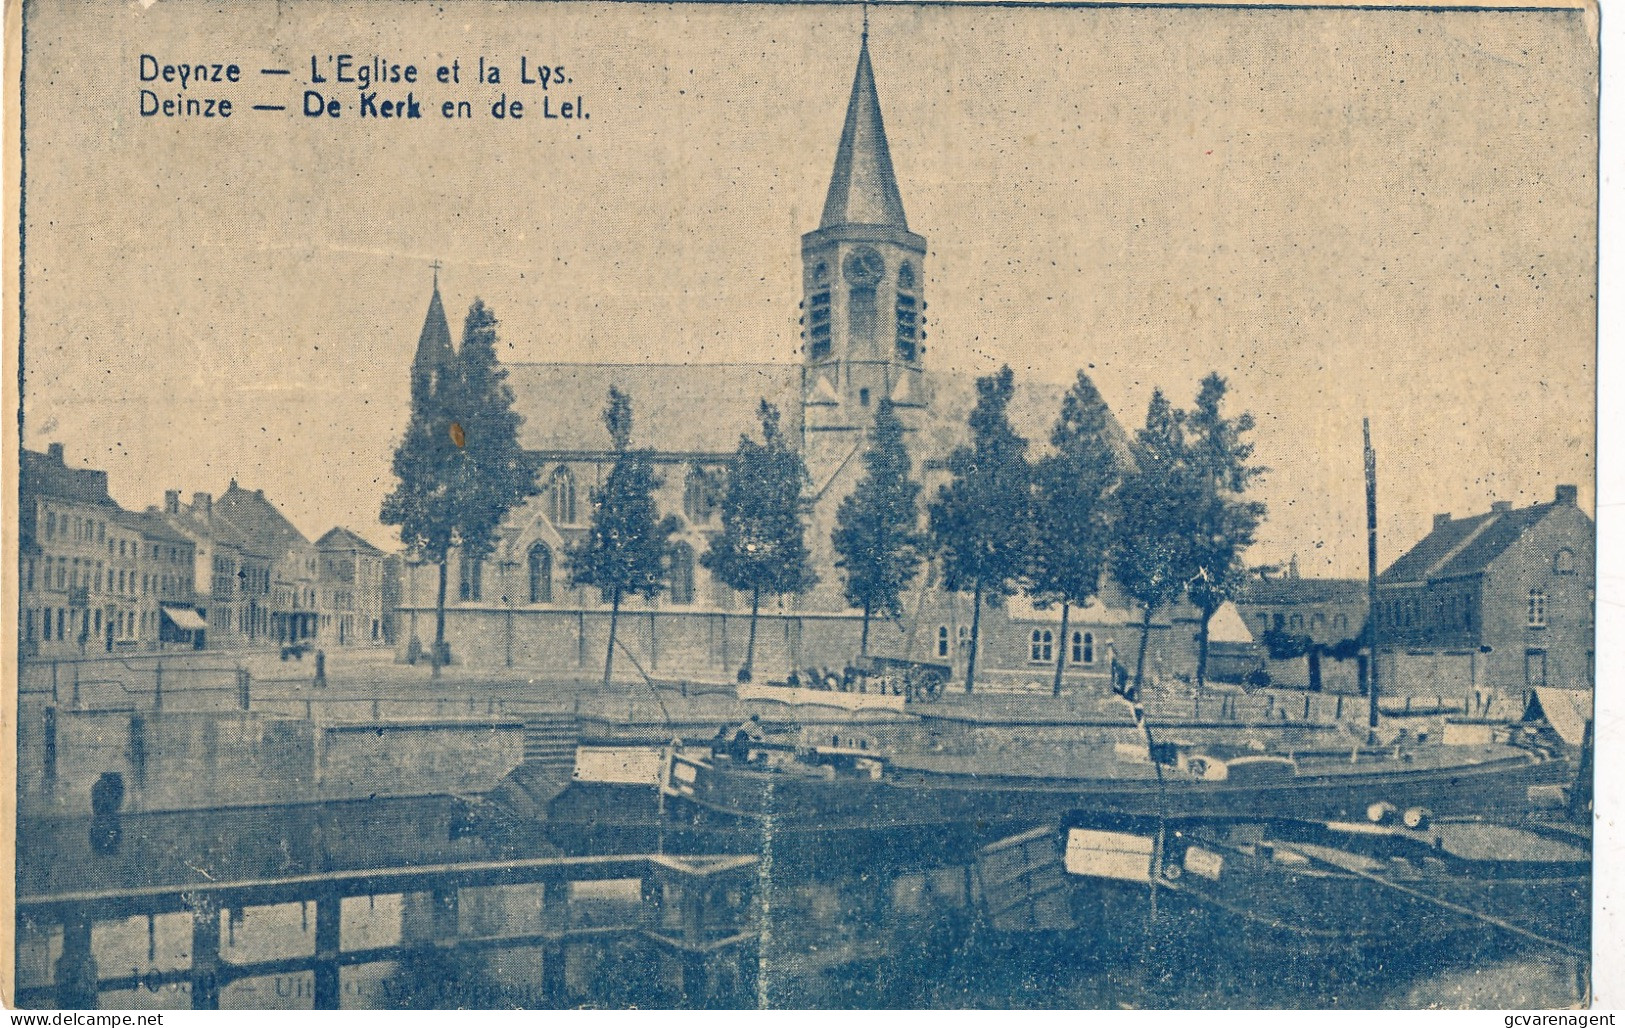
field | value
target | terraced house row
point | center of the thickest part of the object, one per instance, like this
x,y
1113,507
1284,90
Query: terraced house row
x,y
218,572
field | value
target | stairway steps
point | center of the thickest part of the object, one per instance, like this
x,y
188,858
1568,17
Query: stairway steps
x,y
551,740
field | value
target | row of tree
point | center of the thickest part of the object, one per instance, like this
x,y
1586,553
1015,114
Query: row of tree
x,y
1166,512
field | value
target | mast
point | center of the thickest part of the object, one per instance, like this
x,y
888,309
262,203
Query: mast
x,y
1371,573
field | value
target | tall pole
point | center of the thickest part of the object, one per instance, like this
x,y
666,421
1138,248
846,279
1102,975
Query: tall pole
x,y
1371,572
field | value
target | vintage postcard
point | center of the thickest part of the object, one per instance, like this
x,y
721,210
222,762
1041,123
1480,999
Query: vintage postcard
x,y
803,505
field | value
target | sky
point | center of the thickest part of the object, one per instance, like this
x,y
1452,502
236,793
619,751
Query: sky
x,y
1383,214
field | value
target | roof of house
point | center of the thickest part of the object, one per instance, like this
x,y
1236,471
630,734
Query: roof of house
x,y
1463,546
196,526
259,520
1288,591
341,538
153,525
42,474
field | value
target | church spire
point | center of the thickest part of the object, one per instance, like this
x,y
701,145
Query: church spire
x,y
434,343
863,190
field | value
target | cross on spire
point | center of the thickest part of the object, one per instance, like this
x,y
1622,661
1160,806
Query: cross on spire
x,y
435,264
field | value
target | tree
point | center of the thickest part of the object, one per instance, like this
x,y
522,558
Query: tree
x,y
877,539
627,549
1224,522
1151,539
460,468
762,547
979,520
1071,492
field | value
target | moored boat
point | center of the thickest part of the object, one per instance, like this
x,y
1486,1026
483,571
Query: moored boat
x,y
1305,888
824,787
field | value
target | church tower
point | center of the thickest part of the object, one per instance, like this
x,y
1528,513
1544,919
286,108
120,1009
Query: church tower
x,y
863,291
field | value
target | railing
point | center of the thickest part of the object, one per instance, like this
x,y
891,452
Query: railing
x,y
695,908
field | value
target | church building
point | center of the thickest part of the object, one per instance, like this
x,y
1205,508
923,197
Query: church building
x,y
863,339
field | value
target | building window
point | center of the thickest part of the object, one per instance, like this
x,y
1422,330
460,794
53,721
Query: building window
x,y
1083,647
1043,646
541,574
1563,562
1537,608
1297,622
964,636
1317,621
942,640
1534,667
50,527
469,586
681,582
562,487
1340,622
863,397
47,619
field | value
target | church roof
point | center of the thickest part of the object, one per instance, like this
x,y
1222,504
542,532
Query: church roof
x,y
863,189
434,342
676,408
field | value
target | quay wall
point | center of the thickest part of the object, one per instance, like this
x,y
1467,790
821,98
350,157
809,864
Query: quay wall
x,y
665,644
189,760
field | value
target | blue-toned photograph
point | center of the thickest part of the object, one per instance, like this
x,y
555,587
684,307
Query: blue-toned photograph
x,y
796,505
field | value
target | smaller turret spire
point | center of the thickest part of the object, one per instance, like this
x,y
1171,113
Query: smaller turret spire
x,y
434,342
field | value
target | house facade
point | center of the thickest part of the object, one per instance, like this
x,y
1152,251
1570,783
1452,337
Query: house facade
x,y
93,577
1505,598
352,590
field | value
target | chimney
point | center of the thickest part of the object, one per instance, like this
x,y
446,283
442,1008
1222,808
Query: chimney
x,y
172,501
1500,506
1567,496
1441,520
202,503
54,451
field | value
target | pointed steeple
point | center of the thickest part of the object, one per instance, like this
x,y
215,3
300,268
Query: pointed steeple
x,y
434,343
863,190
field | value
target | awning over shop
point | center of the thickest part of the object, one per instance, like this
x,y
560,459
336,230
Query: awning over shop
x,y
185,618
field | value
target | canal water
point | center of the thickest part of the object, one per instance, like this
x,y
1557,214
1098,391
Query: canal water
x,y
836,932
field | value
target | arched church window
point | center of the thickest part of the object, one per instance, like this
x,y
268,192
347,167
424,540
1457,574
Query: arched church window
x,y
699,496
469,578
681,584
562,490
905,276
1563,562
1043,646
1083,647
541,574
821,273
